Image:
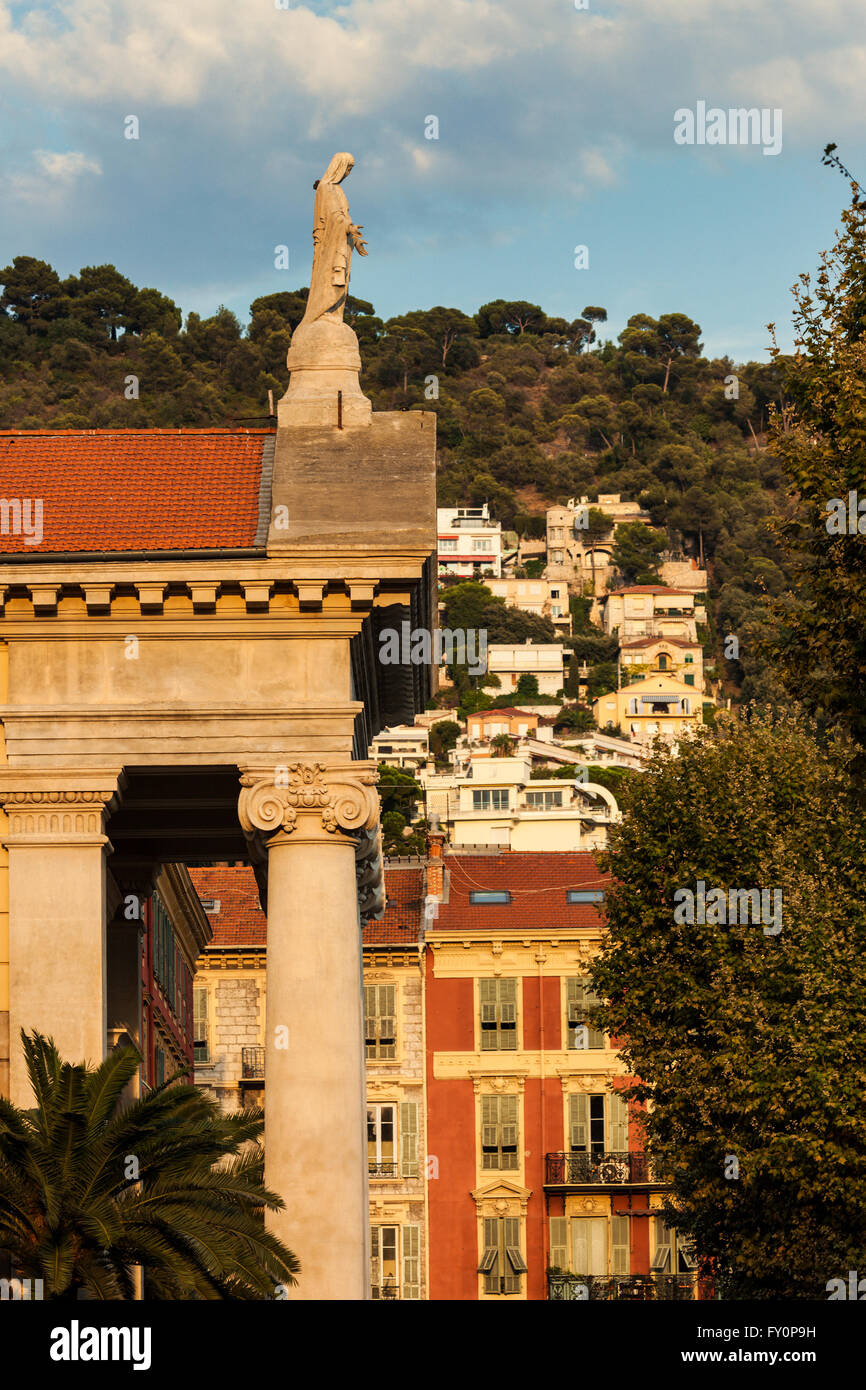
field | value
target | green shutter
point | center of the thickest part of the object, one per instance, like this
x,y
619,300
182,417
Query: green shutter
x,y
411,1262
508,1131
374,1259
370,1019
558,1242
508,1015
487,1001
661,1259
578,1126
515,1264
620,1259
387,1010
200,1028
489,1263
592,1001
618,1136
409,1139
489,1131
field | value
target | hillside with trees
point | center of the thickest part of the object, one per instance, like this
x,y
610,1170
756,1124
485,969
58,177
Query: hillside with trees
x,y
531,409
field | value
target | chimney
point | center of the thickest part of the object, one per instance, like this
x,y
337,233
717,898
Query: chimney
x,y
435,862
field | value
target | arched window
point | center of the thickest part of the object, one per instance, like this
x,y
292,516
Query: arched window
x,y
663,661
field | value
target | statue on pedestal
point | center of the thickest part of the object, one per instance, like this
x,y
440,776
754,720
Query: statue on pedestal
x,y
324,358
334,238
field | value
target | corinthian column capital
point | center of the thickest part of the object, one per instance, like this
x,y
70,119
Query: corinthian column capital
x,y
328,798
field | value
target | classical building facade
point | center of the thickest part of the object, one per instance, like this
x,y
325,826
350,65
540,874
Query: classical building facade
x,y
189,673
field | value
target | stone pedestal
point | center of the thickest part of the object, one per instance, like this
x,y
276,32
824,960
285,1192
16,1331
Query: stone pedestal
x,y
315,1105
324,389
57,912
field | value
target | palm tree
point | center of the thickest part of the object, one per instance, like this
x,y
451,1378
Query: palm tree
x,y
92,1184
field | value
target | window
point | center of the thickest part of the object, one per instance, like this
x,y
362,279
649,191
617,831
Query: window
x,y
502,1261
482,543
447,546
689,678
395,1249
672,1253
498,1000
598,1124
584,895
490,896
490,799
663,661
581,1244
381,1150
499,1132
579,1000
686,706
543,801
211,904
200,1025
380,1021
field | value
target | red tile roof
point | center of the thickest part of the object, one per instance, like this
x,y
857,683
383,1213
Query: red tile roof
x,y
126,490
240,920
404,909
651,642
537,882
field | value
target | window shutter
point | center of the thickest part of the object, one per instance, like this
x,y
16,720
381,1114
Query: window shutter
x,y
575,1001
409,1141
618,1123
370,1019
411,1262
387,1020
487,999
508,1121
515,1264
619,1245
489,1127
596,1035
200,1021
661,1259
489,1264
577,1121
558,1242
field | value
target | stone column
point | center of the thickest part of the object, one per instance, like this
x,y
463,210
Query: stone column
x,y
316,821
57,910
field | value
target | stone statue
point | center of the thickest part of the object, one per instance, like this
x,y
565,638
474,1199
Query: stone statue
x,y
334,237
324,358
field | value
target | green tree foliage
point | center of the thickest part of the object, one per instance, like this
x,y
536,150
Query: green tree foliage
x,y
636,551
77,1215
815,632
443,737
746,1042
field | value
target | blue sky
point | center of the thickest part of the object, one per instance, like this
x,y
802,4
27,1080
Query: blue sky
x,y
555,130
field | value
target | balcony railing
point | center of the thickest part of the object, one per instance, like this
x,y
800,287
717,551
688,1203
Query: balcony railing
x,y
382,1170
578,1169
641,1288
253,1063
385,1292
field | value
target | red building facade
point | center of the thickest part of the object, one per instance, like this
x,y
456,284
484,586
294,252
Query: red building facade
x,y
538,1187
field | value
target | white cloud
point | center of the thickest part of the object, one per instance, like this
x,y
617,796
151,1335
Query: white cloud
x,y
55,173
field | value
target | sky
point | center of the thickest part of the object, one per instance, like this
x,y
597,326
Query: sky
x,y
556,130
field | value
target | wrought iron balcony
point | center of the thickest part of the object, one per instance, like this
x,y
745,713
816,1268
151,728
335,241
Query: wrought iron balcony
x,y
252,1063
605,1169
383,1170
642,1288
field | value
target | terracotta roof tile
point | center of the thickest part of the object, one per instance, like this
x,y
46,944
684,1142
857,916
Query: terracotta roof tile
x,y
404,909
240,920
537,882
125,490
